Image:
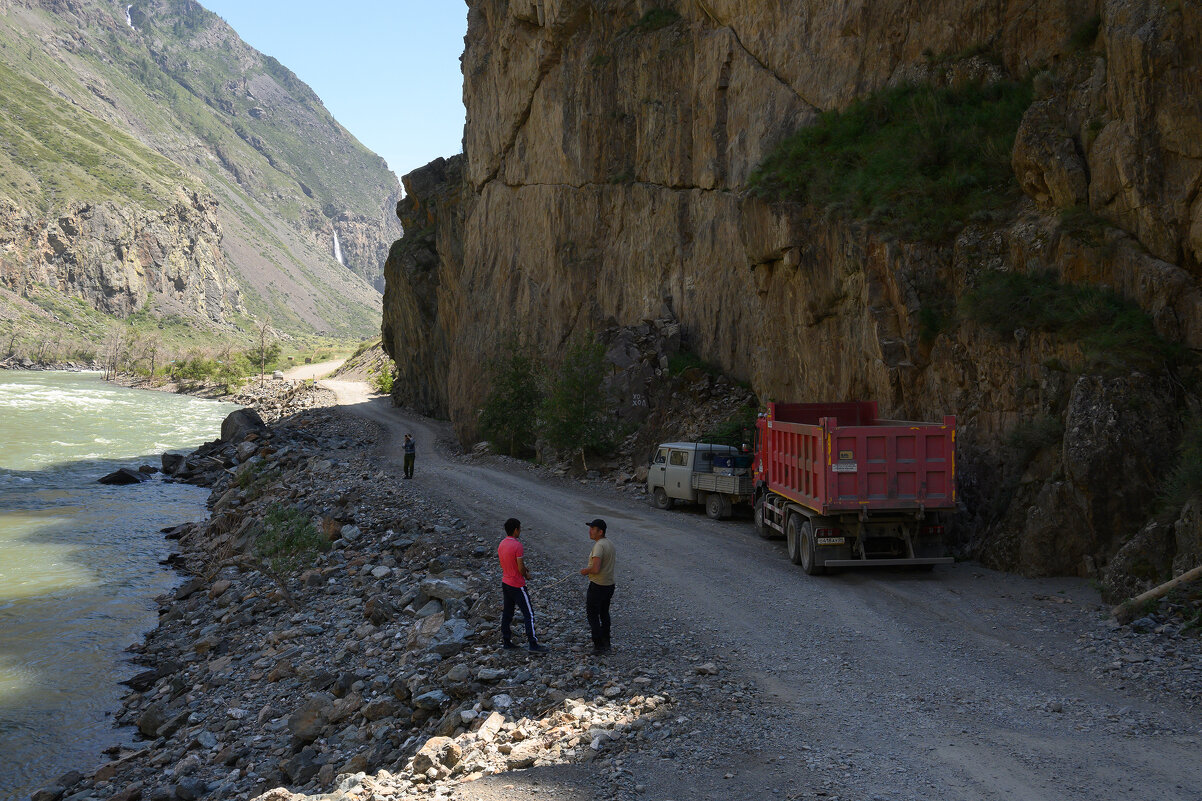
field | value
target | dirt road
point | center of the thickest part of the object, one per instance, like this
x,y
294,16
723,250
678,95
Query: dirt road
x,y
320,370
957,684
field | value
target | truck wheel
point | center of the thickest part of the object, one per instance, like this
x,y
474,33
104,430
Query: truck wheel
x,y
807,558
761,525
714,507
793,539
661,499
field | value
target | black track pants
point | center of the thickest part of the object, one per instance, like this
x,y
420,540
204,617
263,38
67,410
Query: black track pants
x,y
519,598
596,605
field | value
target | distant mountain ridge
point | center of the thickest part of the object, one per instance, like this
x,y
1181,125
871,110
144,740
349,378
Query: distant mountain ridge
x,y
151,159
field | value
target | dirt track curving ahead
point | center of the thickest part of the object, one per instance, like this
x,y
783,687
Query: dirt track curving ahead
x,y
962,683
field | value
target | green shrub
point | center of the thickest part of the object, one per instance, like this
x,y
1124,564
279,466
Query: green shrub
x,y
736,430
383,380
576,413
509,416
1185,481
1029,437
916,160
288,540
655,19
1112,332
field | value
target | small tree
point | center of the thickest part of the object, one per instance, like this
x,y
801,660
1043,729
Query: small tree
x,y
509,416
264,331
577,411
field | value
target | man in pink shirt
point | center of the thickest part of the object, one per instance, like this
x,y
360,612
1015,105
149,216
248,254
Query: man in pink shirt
x,y
513,587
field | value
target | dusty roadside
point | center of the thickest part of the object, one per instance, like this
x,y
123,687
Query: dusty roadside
x,y
735,676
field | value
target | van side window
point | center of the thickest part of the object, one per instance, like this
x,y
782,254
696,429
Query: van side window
x,y
706,456
661,456
679,458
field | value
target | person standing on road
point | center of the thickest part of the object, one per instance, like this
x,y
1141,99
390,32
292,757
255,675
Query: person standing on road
x,y
513,588
600,572
410,448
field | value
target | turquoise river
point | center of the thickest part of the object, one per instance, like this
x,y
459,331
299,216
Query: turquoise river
x,y
80,561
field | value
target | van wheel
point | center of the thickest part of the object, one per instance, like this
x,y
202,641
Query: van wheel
x,y
661,499
714,506
806,550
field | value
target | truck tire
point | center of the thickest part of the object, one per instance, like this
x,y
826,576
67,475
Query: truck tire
x,y
660,499
806,551
714,506
761,526
793,538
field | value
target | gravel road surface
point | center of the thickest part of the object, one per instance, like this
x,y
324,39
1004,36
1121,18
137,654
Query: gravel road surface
x,y
962,683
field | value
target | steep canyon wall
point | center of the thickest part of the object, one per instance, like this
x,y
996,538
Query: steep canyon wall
x,y
116,256
608,147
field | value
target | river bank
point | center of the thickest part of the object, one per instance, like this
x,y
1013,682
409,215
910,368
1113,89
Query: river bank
x,y
376,672
386,640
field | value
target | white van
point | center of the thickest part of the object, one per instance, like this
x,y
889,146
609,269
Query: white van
x,y
716,476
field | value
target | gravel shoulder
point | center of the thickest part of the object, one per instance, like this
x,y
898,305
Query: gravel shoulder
x,y
960,683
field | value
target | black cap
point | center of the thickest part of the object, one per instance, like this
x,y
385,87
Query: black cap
x,y
598,523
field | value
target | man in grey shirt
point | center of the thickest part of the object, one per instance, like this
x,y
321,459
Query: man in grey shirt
x,y
600,572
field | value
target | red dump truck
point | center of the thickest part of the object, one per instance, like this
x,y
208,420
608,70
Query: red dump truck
x,y
847,489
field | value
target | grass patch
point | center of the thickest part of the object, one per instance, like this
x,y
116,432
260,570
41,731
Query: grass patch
x,y
1031,436
655,19
916,160
288,540
1081,223
1112,332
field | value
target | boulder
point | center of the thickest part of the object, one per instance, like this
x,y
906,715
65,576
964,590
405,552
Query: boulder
x,y
124,476
237,425
438,752
444,588
172,462
307,722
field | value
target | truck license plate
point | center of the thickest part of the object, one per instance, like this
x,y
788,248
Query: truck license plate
x,y
830,540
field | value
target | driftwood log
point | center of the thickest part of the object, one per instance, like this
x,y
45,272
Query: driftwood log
x,y
1125,611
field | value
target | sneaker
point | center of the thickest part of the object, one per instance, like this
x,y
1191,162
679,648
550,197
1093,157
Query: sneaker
x,y
600,650
539,649
508,646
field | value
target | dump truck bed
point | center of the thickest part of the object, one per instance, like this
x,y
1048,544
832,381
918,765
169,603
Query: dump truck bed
x,y
836,458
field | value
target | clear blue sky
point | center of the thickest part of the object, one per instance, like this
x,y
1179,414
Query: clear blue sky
x,y
388,71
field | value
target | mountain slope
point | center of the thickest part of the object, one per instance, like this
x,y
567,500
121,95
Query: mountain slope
x,y
141,118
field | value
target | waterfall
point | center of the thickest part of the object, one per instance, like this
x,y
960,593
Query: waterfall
x,y
128,19
338,250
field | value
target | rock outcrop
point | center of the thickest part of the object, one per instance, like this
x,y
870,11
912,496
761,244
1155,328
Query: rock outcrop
x,y
116,257
607,153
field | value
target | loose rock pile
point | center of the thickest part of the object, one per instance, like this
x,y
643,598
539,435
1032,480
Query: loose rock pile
x,y
375,671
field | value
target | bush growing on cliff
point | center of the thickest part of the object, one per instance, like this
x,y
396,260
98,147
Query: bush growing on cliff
x,y
509,416
916,160
576,414
1112,332
384,379
1185,482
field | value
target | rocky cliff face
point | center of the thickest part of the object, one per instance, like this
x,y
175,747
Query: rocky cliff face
x,y
117,257
608,147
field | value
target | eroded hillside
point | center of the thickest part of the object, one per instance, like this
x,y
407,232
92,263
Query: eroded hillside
x,y
131,121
